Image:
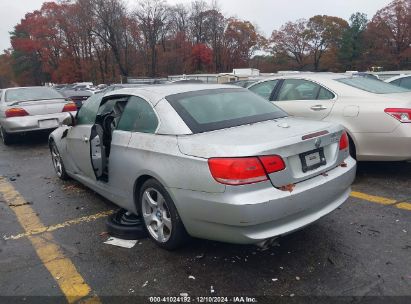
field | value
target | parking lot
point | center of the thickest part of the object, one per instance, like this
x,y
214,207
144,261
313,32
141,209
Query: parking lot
x,y
52,235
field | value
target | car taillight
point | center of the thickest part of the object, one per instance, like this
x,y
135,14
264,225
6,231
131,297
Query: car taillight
x,y
244,170
16,112
272,163
344,144
403,115
69,107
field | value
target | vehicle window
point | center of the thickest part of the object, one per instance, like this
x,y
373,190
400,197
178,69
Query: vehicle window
x,y
32,94
87,113
372,86
299,89
138,116
396,82
264,89
406,83
209,110
324,94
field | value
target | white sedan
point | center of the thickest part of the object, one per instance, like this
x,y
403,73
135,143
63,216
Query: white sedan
x,y
376,115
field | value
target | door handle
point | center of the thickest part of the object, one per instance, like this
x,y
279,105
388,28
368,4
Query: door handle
x,y
318,108
85,139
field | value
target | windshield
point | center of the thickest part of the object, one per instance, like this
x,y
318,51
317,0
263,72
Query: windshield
x,y
31,94
209,110
372,85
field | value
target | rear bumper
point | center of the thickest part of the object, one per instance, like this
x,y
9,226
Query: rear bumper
x,y
395,146
253,213
34,122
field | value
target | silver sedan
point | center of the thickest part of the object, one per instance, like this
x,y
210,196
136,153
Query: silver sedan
x,y
207,161
376,115
27,109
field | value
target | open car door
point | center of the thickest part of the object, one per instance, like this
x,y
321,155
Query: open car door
x,y
78,145
98,151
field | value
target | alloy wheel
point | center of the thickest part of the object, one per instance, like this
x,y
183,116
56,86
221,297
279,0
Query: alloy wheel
x,y
156,214
55,156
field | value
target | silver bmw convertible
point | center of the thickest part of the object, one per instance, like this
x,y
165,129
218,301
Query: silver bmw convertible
x,y
207,161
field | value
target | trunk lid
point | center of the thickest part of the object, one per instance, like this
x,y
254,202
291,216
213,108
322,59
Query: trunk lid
x,y
41,107
283,137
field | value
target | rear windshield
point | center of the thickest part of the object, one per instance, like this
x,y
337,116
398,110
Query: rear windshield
x,y
372,85
32,94
209,110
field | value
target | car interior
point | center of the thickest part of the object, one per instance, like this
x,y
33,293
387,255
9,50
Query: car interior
x,y
107,119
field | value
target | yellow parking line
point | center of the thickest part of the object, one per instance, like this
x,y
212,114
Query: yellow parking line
x,y
43,229
60,267
372,198
404,206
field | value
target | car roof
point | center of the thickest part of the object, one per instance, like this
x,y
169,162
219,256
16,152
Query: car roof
x,y
33,87
154,93
397,77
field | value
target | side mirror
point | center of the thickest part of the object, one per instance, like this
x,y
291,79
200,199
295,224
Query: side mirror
x,y
70,120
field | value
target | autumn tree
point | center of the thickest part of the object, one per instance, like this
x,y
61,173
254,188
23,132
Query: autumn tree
x,y
389,35
291,41
241,39
152,16
6,72
324,33
111,20
197,19
30,49
214,26
201,56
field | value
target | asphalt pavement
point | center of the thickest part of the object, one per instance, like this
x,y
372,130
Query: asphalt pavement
x,y
360,252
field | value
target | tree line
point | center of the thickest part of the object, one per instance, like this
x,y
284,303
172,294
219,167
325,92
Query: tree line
x,y
105,41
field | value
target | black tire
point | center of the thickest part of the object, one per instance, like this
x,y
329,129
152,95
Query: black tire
x,y
353,151
125,225
7,138
177,236
55,157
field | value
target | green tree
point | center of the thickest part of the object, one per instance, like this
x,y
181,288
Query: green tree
x,y
352,44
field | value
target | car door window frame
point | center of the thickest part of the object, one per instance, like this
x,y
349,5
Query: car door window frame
x,y
278,89
272,91
152,108
92,122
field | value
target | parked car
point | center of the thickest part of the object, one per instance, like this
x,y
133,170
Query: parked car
x,y
27,109
362,74
209,161
118,86
243,83
376,115
78,97
403,81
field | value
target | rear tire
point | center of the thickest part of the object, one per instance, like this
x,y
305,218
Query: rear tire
x,y
161,218
353,151
58,162
7,138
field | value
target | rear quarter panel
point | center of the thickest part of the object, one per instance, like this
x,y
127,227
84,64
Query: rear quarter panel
x,y
158,156
364,114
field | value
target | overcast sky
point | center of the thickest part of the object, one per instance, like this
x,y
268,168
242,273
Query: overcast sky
x,y
267,14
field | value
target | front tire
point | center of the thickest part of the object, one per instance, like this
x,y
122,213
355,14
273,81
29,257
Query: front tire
x,y
6,137
161,219
58,162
